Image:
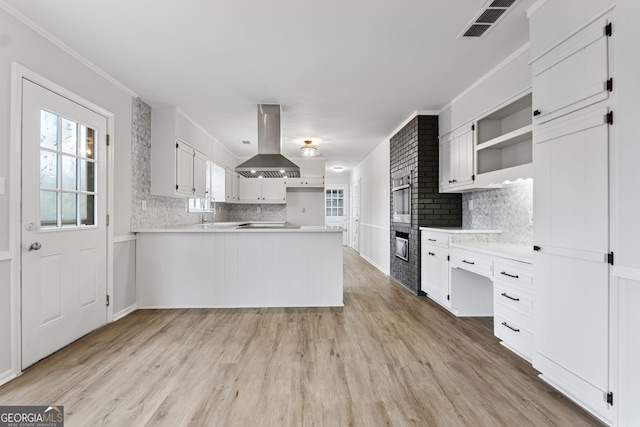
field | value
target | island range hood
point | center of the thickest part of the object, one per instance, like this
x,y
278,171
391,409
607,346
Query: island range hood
x,y
269,162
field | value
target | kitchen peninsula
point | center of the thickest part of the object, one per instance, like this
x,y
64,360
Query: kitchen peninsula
x,y
239,265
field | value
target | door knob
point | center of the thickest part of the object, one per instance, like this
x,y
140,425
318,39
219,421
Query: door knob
x,y
35,246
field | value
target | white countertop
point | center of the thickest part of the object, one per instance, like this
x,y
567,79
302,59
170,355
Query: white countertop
x,y
459,230
232,227
521,253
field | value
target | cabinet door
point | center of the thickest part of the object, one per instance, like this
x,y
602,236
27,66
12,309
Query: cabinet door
x,y
573,75
456,160
184,169
251,190
199,175
231,186
464,158
273,190
217,175
571,292
435,275
445,164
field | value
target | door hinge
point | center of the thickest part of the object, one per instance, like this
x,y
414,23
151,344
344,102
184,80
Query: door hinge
x,y
108,220
448,297
610,84
536,113
473,127
108,140
610,398
536,248
609,117
176,145
473,177
610,258
108,301
448,257
608,29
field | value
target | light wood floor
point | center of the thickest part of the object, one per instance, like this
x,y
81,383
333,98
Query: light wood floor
x,y
386,358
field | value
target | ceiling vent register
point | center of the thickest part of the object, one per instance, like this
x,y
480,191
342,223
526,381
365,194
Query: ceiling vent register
x,y
490,14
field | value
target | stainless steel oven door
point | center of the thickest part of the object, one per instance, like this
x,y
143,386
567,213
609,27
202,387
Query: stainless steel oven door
x,y
402,248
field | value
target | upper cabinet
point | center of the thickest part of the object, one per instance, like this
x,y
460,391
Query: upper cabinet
x,y
232,186
262,190
217,183
456,160
311,173
178,159
504,144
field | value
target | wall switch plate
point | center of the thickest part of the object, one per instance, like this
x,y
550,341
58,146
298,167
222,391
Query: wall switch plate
x,y
304,210
471,204
144,205
258,209
1,185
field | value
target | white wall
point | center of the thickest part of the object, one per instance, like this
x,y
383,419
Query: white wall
x,y
305,206
373,173
21,44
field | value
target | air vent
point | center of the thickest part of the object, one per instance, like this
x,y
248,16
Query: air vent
x,y
490,14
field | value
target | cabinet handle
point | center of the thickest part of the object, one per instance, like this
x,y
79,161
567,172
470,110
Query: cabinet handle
x,y
432,254
431,240
536,113
468,262
515,276
504,294
505,324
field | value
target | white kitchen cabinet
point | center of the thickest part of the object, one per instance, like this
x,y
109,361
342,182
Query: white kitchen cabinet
x,y
434,272
178,161
513,306
456,160
232,186
504,144
571,209
217,183
311,173
262,190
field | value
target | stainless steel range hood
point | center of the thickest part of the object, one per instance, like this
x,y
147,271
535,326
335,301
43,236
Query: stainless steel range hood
x,y
268,163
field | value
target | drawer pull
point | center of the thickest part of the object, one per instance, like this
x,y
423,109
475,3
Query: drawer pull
x,y
432,254
468,262
505,324
504,294
431,240
515,276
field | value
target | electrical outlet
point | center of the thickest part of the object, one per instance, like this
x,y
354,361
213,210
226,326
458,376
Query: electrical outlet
x,y
470,205
144,205
258,209
304,210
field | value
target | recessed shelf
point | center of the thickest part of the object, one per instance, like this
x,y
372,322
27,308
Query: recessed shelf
x,y
508,139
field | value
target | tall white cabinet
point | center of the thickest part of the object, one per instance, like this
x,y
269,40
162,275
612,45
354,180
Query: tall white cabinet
x,y
572,127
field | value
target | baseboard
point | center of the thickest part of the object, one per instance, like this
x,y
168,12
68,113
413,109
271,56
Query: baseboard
x,y
7,376
370,261
122,313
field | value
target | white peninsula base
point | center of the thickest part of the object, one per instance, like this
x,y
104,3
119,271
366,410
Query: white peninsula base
x,y
258,268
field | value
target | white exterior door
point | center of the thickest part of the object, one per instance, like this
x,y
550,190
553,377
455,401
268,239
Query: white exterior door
x,y
354,227
63,223
336,214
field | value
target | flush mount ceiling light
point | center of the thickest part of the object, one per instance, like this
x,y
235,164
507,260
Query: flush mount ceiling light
x,y
492,12
338,168
308,150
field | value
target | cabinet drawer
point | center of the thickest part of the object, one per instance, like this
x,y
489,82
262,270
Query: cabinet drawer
x,y
513,298
514,336
472,261
434,238
512,273
513,316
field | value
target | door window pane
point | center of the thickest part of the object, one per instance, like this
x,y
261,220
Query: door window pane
x,y
87,136
48,130
87,213
69,173
69,136
48,209
48,169
69,209
87,176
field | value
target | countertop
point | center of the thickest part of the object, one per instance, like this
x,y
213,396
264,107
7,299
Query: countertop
x,y
521,253
232,227
459,230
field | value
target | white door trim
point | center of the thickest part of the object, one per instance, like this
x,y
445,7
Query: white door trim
x,y
18,72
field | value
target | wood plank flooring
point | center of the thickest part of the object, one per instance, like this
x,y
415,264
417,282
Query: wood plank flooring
x,y
388,358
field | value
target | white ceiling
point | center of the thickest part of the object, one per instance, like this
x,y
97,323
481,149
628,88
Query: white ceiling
x,y
346,72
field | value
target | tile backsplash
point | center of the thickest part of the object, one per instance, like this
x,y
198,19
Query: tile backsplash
x,y
508,209
164,211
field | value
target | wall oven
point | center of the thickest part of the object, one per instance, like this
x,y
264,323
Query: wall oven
x,y
401,190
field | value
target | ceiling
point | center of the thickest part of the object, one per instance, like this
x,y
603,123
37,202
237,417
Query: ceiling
x,y
347,73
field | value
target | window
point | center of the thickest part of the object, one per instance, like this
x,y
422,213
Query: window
x,y
199,205
67,172
334,202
